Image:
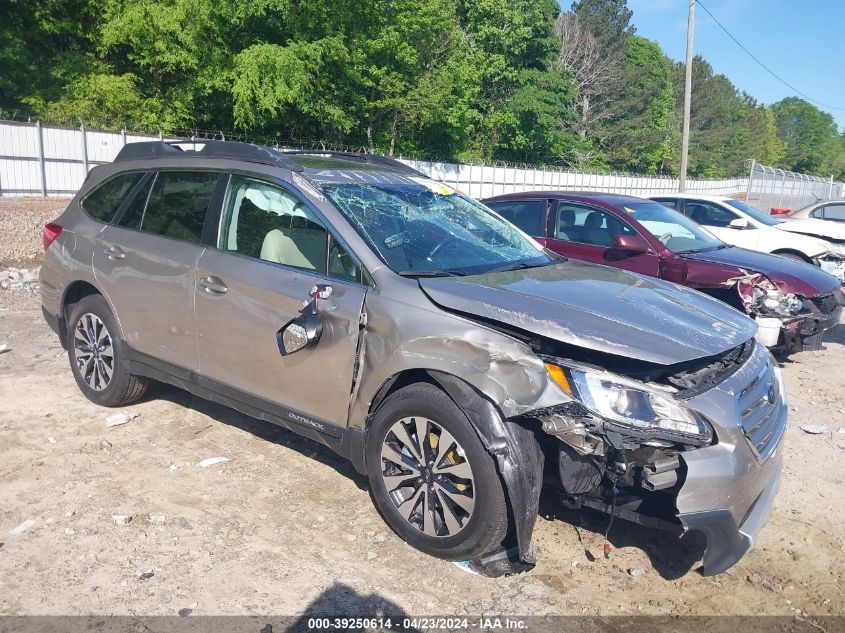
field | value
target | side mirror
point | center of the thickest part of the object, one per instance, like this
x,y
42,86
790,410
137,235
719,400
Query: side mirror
x,y
739,223
631,243
306,329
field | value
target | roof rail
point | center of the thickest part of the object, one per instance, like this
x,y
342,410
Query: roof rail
x,y
211,149
372,159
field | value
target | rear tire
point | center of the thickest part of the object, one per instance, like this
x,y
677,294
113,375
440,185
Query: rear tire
x,y
443,495
98,356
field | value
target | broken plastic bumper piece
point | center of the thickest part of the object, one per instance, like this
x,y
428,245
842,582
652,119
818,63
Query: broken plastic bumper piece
x,y
728,542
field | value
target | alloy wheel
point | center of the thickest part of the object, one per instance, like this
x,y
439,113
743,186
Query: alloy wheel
x,y
93,351
428,477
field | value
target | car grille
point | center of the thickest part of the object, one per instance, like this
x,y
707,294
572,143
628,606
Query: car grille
x,y
826,305
763,411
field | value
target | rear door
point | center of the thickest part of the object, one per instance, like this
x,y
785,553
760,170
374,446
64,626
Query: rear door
x,y
585,232
272,249
146,264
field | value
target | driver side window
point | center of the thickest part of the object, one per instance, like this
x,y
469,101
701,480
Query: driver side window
x,y
587,225
708,214
267,222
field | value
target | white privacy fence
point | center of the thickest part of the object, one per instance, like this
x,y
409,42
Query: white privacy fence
x,y
483,181
46,160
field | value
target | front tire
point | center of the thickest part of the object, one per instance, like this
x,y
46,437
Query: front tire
x,y
98,357
431,478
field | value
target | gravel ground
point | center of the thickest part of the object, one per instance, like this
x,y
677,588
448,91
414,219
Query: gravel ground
x,y
286,527
21,223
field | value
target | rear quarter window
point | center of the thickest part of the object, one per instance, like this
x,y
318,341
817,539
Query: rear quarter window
x,y
104,201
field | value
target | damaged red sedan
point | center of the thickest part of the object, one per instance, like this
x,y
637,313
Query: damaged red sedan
x,y
793,303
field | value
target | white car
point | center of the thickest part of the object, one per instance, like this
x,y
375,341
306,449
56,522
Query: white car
x,y
739,224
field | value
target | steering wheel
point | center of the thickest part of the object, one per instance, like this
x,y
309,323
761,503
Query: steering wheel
x,y
665,238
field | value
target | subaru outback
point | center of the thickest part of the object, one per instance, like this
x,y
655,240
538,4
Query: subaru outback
x,y
457,363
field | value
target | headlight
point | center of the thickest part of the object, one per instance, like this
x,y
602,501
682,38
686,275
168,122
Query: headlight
x,y
632,405
782,303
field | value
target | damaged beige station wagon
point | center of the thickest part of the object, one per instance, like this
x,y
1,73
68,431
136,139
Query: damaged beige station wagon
x,y
452,359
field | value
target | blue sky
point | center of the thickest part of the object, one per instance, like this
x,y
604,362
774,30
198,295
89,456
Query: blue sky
x,y
803,42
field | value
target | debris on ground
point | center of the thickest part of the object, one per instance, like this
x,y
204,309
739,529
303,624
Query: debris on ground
x,y
158,519
121,519
772,586
183,523
211,461
815,429
4,347
23,527
636,571
184,613
51,439
105,444
117,419
146,575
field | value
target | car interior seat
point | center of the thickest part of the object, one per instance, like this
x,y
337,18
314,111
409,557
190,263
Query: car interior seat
x,y
593,231
565,225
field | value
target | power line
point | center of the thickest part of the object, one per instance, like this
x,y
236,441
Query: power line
x,y
766,68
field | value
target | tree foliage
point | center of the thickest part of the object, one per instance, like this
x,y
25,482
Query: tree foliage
x,y
513,80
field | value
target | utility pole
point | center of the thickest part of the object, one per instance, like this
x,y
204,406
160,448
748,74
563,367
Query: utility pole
x,y
687,94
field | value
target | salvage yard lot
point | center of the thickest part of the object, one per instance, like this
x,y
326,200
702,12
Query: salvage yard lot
x,y
285,526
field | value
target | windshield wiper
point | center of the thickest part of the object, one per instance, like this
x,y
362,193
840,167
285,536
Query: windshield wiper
x,y
431,273
522,265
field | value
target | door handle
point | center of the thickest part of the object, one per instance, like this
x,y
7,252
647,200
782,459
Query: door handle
x,y
213,285
115,252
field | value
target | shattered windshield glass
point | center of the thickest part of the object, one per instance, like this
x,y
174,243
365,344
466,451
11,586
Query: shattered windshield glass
x,y
675,230
418,227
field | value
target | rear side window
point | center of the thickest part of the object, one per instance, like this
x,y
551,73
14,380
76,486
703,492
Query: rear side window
x,y
528,215
102,203
178,203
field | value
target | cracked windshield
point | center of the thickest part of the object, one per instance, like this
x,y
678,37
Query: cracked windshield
x,y
421,228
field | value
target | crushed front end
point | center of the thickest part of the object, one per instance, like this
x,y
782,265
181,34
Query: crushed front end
x,y
786,320
687,447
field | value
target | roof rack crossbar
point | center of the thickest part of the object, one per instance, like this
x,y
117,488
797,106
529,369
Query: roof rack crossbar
x,y
211,149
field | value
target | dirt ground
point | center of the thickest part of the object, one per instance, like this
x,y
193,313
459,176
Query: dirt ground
x,y
286,527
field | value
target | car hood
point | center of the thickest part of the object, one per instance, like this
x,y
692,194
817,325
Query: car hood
x,y
600,308
787,274
824,229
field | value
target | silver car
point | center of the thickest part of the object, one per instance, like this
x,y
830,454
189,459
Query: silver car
x,y
454,361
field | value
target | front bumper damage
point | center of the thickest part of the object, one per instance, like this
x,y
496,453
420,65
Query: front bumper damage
x,y
725,490
791,327
833,264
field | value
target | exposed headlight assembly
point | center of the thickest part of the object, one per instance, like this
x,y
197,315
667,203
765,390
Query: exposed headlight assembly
x,y
781,303
632,405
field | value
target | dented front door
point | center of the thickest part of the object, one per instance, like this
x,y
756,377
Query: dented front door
x,y
240,309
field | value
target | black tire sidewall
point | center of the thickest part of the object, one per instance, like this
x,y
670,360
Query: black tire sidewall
x,y
113,394
487,525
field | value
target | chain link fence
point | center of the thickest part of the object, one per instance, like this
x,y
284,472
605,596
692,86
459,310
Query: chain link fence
x,y
772,188
50,160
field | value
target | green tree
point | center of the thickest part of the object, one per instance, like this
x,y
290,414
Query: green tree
x,y
812,140
637,131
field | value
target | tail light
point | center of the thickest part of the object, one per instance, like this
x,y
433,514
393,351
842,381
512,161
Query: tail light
x,y
51,232
777,211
